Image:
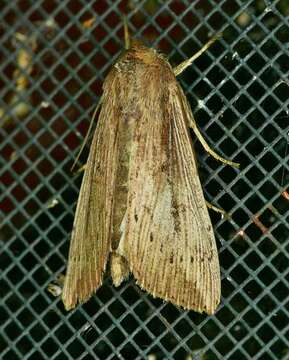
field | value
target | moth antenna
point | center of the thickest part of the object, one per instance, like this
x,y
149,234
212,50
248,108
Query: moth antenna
x,y
87,134
126,33
183,65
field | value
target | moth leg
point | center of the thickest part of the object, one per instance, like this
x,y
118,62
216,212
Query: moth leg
x,y
82,168
56,288
126,33
178,70
60,279
87,134
216,209
183,65
206,146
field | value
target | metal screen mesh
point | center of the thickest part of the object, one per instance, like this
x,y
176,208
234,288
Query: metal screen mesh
x,y
54,57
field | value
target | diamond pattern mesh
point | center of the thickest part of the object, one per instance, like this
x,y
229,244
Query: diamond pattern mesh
x,y
54,57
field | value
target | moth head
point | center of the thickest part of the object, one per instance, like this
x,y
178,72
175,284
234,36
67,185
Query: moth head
x,y
141,52
136,44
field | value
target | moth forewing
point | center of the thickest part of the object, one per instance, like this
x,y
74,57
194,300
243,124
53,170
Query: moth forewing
x,y
141,201
169,242
91,236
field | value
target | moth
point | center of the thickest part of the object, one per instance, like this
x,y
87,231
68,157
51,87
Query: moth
x,y
141,207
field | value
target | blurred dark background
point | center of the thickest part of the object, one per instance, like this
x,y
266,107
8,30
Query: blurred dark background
x,y
53,60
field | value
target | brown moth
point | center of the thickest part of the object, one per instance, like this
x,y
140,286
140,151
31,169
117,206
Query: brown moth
x,y
141,207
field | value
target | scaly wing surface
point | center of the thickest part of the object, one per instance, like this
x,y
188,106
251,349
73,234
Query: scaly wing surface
x,y
169,242
91,236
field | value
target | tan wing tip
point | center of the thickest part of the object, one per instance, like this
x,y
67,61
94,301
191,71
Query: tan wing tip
x,y
68,305
69,302
200,308
72,297
208,305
